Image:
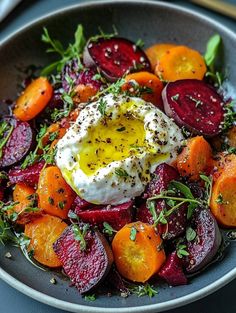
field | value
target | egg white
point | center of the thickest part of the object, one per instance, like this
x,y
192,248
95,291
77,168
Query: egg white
x,y
118,181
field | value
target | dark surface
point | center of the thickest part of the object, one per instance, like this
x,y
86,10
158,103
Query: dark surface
x,y
12,301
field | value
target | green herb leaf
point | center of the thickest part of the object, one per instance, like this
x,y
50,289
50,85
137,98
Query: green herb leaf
x,y
90,297
212,50
121,172
133,233
144,290
79,235
102,107
190,234
185,190
139,43
6,130
181,250
108,229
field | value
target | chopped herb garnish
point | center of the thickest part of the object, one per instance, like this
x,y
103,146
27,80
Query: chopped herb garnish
x,y
102,107
108,229
6,130
144,290
219,199
121,129
133,233
181,250
190,234
121,172
90,297
139,43
229,116
175,97
79,235
50,200
104,35
61,204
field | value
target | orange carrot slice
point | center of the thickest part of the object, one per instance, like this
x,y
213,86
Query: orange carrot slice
x,y
55,195
155,52
33,99
138,251
43,232
181,63
194,158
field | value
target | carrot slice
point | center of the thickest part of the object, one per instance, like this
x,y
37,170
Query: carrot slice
x,y
24,195
55,195
155,52
223,200
54,131
33,99
220,162
195,158
43,232
83,93
231,137
138,251
152,83
181,63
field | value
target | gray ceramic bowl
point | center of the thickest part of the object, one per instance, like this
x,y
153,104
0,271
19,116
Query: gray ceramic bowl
x,y
153,22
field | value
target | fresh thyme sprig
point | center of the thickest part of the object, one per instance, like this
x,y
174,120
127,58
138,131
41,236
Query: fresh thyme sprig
x,y
73,51
143,290
5,133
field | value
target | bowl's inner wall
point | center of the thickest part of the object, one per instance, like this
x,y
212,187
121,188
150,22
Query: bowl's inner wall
x,y
152,23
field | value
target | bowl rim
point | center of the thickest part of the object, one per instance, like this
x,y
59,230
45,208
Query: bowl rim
x,y
157,307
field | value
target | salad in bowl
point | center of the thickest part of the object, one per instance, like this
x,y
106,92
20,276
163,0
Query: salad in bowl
x,y
118,164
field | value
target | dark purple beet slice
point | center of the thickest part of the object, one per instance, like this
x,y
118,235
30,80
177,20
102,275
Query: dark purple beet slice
x,y
177,221
116,281
172,271
195,105
78,76
30,175
85,268
80,204
115,57
19,143
117,216
207,242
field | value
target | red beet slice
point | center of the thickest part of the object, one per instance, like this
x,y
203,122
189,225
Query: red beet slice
x,y
207,242
80,204
115,57
117,216
172,271
85,268
30,175
19,143
85,77
195,105
177,221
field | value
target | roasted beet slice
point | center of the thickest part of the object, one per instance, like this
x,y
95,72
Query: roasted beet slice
x,y
80,204
177,221
18,144
30,175
162,177
172,271
117,216
115,57
195,105
207,242
117,282
86,268
78,76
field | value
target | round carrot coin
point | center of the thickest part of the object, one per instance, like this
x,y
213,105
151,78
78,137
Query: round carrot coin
x,y
43,232
33,99
138,251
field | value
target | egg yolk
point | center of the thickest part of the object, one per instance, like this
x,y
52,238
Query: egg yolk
x,y
111,140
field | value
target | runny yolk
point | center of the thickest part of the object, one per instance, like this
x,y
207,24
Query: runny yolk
x,y
111,140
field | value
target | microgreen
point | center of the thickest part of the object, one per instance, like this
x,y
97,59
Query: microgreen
x,y
229,115
143,290
90,297
79,234
102,107
6,130
108,229
211,56
73,51
121,172
139,43
181,250
190,234
133,233
104,35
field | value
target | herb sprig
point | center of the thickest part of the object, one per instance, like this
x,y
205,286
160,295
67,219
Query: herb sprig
x,y
72,51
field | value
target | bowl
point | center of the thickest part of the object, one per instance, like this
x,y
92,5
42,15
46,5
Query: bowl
x,y
153,22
